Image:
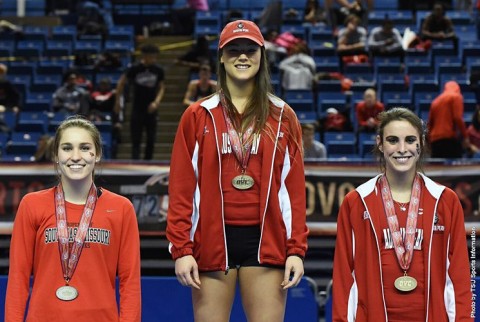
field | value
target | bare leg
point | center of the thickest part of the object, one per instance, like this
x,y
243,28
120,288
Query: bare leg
x,y
213,302
262,296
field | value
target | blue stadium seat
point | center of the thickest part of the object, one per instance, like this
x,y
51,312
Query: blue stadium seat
x,y
396,99
64,32
299,100
423,100
39,45
360,68
23,143
58,48
298,31
32,122
443,48
38,102
326,64
340,144
10,119
366,143
329,86
117,46
88,46
399,17
466,32
459,17
27,68
317,36
210,20
307,116
55,121
327,100
324,49
37,33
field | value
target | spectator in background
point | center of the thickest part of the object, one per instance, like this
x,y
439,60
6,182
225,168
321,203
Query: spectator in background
x,y
102,108
445,120
298,69
9,96
352,39
385,40
314,14
201,87
147,78
437,26
368,110
183,19
275,53
344,8
312,148
198,55
70,97
473,131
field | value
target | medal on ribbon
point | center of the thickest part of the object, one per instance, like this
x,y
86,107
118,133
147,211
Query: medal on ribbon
x,y
403,247
241,146
70,255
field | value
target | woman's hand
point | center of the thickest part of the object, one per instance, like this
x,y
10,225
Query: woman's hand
x,y
293,265
186,269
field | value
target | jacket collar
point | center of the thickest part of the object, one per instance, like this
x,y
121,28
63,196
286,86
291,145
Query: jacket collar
x,y
368,187
214,100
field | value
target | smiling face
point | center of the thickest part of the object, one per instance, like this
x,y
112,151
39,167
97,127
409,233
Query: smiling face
x,y
241,59
400,146
76,156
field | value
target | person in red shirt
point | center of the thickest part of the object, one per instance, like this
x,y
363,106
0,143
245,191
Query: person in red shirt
x,y
73,241
401,252
367,111
237,189
447,132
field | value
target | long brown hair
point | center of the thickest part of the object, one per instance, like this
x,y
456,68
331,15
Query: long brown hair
x,y
258,105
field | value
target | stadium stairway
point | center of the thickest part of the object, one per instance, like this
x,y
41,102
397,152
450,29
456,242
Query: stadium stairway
x,y
171,108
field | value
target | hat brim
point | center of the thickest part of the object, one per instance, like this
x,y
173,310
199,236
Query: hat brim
x,y
254,39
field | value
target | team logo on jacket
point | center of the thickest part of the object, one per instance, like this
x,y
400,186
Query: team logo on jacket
x,y
388,239
227,146
436,225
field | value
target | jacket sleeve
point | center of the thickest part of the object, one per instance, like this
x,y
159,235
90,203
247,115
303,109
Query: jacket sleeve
x,y
129,268
182,185
458,295
22,248
344,286
295,182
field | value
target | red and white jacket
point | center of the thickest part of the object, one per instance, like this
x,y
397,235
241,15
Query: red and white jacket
x,y
358,292
195,220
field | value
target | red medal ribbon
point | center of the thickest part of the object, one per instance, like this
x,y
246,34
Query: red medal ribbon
x,y
403,248
241,145
69,256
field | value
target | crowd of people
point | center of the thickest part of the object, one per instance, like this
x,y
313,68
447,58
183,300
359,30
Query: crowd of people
x,y
290,56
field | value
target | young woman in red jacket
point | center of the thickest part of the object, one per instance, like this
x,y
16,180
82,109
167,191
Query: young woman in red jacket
x,y
401,251
237,189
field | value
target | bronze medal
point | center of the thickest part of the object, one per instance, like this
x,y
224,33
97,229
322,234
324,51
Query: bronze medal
x,y
67,293
405,283
243,182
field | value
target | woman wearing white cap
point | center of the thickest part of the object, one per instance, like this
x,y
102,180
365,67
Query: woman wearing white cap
x,y
237,189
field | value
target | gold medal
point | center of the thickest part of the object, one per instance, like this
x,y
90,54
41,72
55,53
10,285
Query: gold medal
x,y
243,182
67,293
405,283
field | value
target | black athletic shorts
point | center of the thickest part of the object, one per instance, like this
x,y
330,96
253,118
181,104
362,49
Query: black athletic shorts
x,y
242,246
